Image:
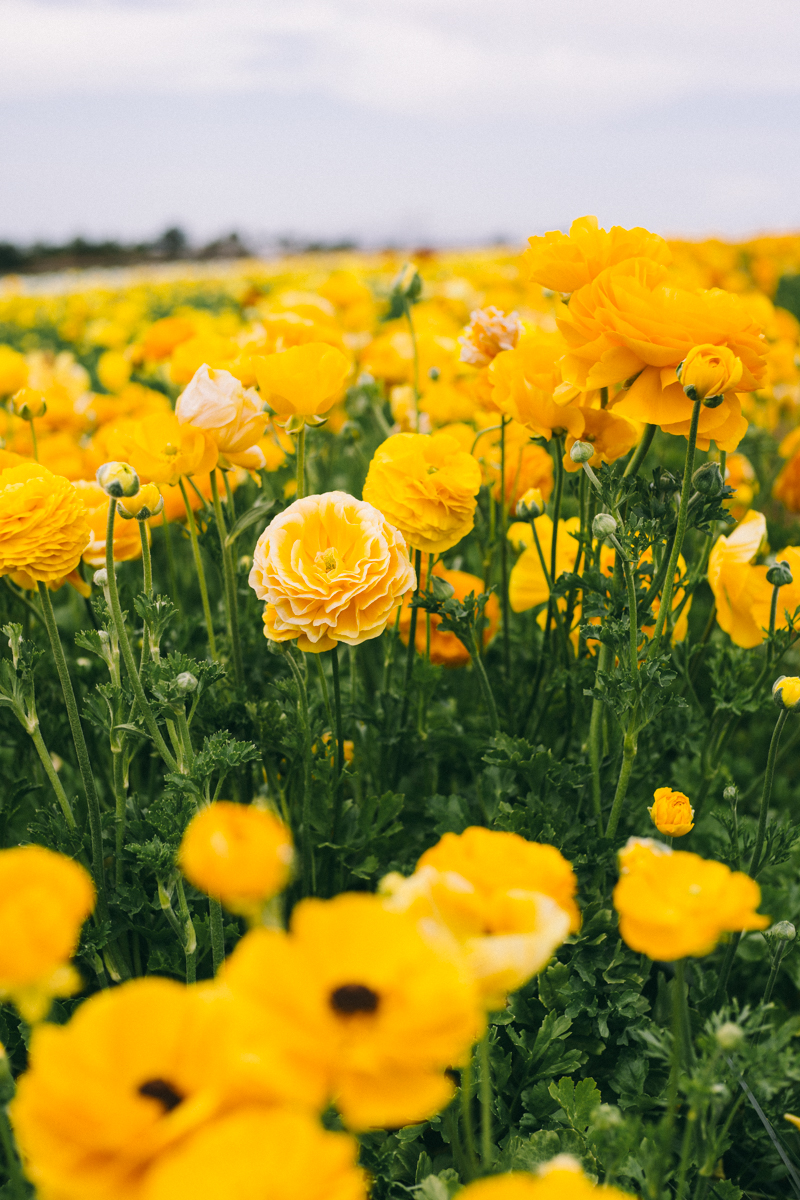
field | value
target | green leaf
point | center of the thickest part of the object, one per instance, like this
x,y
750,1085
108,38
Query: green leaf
x,y
247,519
577,1102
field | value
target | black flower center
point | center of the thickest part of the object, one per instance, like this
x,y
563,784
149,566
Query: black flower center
x,y
354,998
165,1093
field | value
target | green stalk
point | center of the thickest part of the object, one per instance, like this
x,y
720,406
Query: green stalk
x,y
120,813
640,453
301,464
755,861
634,632
189,934
504,556
686,487
173,578
466,1118
230,585
18,1188
147,575
628,756
559,465
305,816
125,646
84,765
486,687
217,933
52,775
412,637
339,768
668,1125
33,439
596,734
486,1104
201,575
777,958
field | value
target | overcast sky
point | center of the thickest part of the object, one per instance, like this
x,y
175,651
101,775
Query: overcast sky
x,y
410,120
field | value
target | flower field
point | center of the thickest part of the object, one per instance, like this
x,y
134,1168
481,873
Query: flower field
x,y
400,693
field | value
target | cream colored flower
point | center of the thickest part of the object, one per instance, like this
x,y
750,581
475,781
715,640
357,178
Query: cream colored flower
x,y
233,416
331,569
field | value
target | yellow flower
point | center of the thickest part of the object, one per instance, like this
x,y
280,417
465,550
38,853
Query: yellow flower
x,y
231,416
672,812
43,525
566,263
739,475
740,589
44,899
560,1179
426,486
29,403
709,371
237,853
676,904
610,435
489,332
507,902
524,383
330,569
13,371
786,692
259,1152
446,649
304,381
148,502
366,1005
161,450
527,465
161,338
527,585
127,542
113,370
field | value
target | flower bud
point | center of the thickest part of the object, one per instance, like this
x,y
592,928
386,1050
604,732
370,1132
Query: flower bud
x,y
186,681
581,452
118,479
730,794
29,403
671,812
708,372
148,502
606,1116
408,283
780,575
100,578
729,1035
530,504
708,479
604,526
782,931
434,373
786,692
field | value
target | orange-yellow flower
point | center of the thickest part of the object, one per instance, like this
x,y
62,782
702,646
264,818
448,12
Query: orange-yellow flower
x,y
13,371
237,853
427,487
127,541
560,1179
527,585
739,475
674,904
489,332
161,450
446,649
527,465
231,416
565,263
161,338
611,435
524,381
708,372
671,812
331,569
304,381
43,525
741,590
44,899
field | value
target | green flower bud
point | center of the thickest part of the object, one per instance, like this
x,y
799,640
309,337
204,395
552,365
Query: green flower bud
x,y
604,526
186,681
581,452
730,794
100,578
780,575
530,505
708,479
729,1035
782,931
118,479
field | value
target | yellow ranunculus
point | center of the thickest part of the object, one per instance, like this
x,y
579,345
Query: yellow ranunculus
x,y
446,649
148,502
365,1004
507,902
709,371
113,370
231,416
527,585
161,338
43,525
331,569
13,371
742,593
671,812
560,1179
427,487
609,434
237,853
568,262
489,332
524,381
44,899
674,904
304,381
786,692
161,450
127,542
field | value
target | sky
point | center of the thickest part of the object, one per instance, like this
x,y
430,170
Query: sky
x,y
397,121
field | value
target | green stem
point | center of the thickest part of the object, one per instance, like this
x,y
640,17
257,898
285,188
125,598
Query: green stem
x,y
668,1125
777,958
640,453
596,733
230,585
201,575
466,1119
33,439
628,756
412,638
686,487
773,609
559,465
217,933
504,557
16,1179
125,646
186,737
301,464
120,813
52,775
486,687
173,578
725,969
755,861
325,697
634,632
189,934
339,768
84,765
147,575
686,1148
305,802
486,1104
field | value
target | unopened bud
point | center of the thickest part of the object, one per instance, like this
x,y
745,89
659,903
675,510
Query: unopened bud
x,y
530,504
730,794
786,692
780,575
186,681
118,479
729,1035
29,403
100,578
782,931
604,526
408,282
708,479
148,502
434,373
581,452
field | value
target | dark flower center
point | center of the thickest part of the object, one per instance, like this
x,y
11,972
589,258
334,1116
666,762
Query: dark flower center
x,y
354,998
165,1093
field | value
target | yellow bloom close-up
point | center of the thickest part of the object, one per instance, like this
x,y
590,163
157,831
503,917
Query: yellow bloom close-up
x,y
671,812
43,525
237,853
232,416
303,381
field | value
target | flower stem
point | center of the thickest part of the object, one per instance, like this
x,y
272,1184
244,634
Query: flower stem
x,y
666,596
217,933
18,1189
755,861
33,439
640,453
466,1118
628,756
50,772
305,803
147,576
173,578
230,585
201,575
92,802
120,812
339,767
559,465
668,1124
189,934
504,557
125,646
301,464
486,1104
634,632
596,733
412,639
